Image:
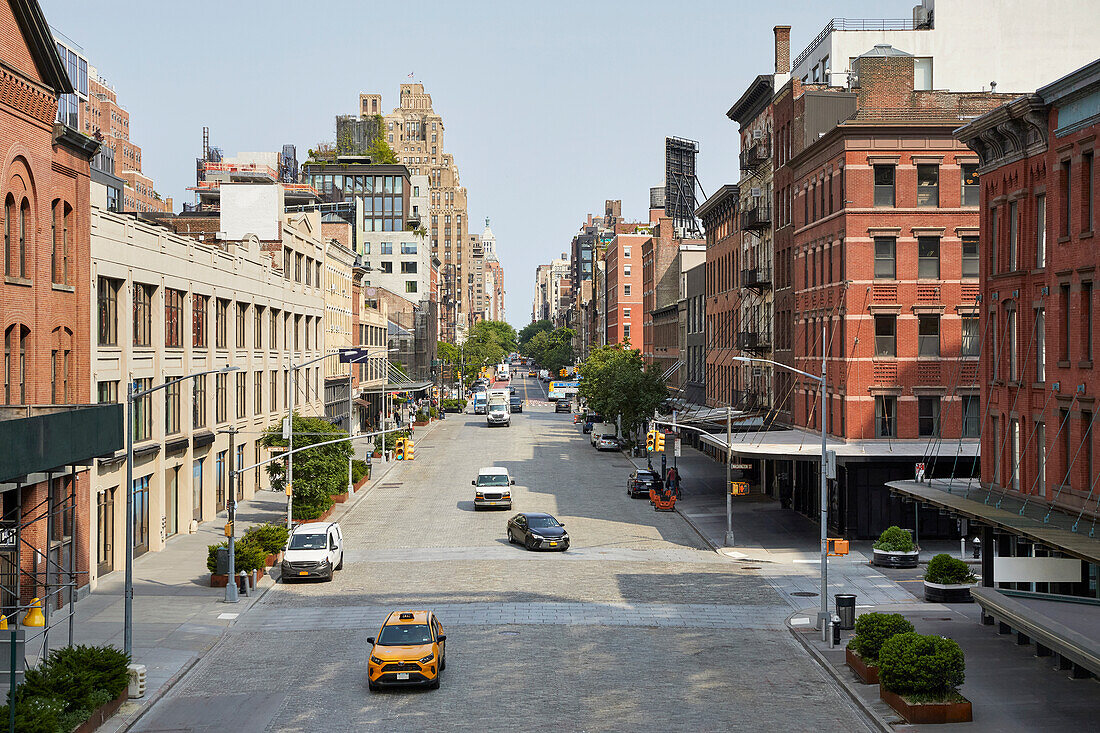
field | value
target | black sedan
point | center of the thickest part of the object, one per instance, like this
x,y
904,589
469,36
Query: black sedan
x,y
563,406
640,482
515,403
537,531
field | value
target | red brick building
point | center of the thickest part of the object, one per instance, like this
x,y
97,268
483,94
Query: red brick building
x,y
45,323
623,282
723,237
1039,268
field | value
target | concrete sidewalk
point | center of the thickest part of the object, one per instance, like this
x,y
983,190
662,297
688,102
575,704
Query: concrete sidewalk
x,y
177,615
1009,687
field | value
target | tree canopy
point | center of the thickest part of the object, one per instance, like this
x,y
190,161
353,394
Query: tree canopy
x,y
551,350
489,342
318,473
529,331
614,381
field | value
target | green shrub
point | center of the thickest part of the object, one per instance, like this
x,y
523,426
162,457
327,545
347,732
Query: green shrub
x,y
873,629
894,539
359,469
271,537
391,438
248,555
433,412
61,692
306,508
421,416
947,570
912,663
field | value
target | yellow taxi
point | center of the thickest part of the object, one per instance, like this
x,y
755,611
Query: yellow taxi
x,y
410,649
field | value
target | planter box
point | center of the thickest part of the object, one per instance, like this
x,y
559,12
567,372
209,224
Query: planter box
x,y
948,593
101,714
366,477
419,424
931,712
892,559
220,581
376,454
340,498
273,560
867,673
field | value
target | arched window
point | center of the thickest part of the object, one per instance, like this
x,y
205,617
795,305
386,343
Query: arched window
x,y
24,215
9,223
61,366
15,364
9,344
55,258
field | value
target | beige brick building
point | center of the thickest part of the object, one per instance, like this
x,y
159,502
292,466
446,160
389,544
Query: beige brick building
x,y
415,132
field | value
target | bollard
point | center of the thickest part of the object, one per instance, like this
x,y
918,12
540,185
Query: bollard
x,y
962,547
255,580
834,627
977,547
244,583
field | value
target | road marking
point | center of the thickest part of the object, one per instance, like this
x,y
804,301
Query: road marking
x,y
686,615
227,616
516,554
800,621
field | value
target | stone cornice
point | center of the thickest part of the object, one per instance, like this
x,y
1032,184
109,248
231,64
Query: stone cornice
x,y
1009,133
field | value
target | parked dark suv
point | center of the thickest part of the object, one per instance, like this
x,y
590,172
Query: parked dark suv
x,y
640,482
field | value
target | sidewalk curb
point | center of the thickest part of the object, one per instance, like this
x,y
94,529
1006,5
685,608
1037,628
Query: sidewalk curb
x,y
871,716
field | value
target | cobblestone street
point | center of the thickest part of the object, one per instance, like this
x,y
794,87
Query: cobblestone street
x,y
637,627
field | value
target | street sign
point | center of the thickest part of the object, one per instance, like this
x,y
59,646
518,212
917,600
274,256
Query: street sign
x,y
741,466
920,471
286,428
677,448
739,488
830,464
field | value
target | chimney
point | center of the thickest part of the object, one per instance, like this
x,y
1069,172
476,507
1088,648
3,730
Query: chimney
x,y
782,49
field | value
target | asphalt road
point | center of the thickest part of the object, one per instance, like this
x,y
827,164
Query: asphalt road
x,y
637,627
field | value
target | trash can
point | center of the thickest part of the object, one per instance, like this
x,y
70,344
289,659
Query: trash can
x,y
846,609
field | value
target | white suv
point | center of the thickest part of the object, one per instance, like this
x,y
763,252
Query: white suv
x,y
313,550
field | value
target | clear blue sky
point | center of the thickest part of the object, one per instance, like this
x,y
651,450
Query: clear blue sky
x,y
550,108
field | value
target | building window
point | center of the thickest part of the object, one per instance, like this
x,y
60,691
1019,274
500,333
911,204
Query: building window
x,y
258,327
143,314
273,326
60,362
1067,193
928,335
220,396
198,321
241,405
1086,199
928,258
273,388
61,228
886,416
626,251
1040,231
626,332
970,264
408,268
626,269
173,318
626,289
1067,322
928,185
107,297
1041,456
1086,309
1013,371
993,243
1013,230
220,481
1040,345
885,258
884,185
198,402
1014,454
258,393
928,416
107,392
970,188
971,416
172,408
971,340
143,410
242,310
886,335
24,215
221,324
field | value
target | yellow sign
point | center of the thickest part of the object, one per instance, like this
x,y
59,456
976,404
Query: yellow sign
x,y
739,488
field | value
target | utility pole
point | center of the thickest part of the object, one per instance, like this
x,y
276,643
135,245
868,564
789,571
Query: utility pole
x,y
289,483
823,612
729,459
231,595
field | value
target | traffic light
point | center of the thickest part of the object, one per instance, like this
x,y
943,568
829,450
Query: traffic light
x,y
562,372
408,449
659,444
650,440
399,449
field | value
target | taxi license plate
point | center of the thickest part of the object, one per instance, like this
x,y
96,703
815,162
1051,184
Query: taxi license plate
x,y
402,675
553,544
303,572
493,503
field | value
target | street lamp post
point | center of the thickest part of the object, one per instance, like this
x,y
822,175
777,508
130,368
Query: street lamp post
x,y
231,593
823,611
133,394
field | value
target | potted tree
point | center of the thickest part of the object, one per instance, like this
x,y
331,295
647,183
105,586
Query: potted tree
x,y
271,538
948,580
918,678
248,555
872,631
895,549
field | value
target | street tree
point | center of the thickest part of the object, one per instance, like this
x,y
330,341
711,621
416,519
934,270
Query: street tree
x,y
552,349
529,331
615,382
319,473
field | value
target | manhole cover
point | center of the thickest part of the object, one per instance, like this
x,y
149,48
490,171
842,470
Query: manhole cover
x,y
509,633
804,594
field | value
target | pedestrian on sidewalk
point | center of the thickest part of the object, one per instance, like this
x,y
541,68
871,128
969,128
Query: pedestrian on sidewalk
x,y
674,481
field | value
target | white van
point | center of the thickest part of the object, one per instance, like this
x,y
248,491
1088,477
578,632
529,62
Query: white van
x,y
493,488
602,428
313,550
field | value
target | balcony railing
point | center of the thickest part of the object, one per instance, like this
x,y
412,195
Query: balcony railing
x,y
755,341
756,155
758,216
756,278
